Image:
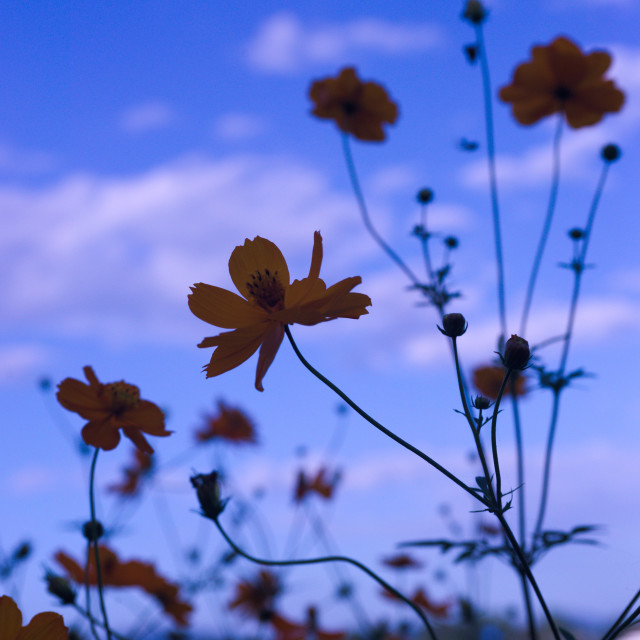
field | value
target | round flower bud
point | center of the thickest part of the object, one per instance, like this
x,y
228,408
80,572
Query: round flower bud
x,y
207,488
516,353
576,233
454,325
610,152
425,196
480,402
92,530
474,12
60,587
451,242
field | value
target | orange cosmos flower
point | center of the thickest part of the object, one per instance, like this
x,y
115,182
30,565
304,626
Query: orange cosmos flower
x,y
47,625
420,598
487,381
109,408
256,598
402,561
320,484
228,424
133,475
359,108
268,303
288,630
561,78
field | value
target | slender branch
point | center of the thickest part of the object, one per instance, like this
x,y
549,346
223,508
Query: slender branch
x,y
87,591
620,618
93,621
494,440
351,561
546,227
376,424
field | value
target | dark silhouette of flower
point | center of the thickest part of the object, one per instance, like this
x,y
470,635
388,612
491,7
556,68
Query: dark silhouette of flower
x,y
230,424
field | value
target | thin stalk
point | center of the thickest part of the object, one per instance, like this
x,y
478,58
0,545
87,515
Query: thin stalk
x,y
526,596
493,181
620,618
351,561
87,591
93,621
376,424
364,212
627,623
546,227
92,507
494,441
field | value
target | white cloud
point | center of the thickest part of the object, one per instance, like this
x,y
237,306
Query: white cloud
x,y
284,44
20,361
238,126
18,161
146,117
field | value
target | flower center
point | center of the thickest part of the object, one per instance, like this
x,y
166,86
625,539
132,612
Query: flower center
x,y
563,93
349,107
122,396
266,290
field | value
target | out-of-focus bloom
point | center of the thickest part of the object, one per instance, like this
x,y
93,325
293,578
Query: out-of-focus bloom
x,y
320,484
133,475
109,408
489,529
133,573
288,630
402,561
487,381
474,12
47,625
420,598
257,598
359,108
60,587
269,302
561,78
230,424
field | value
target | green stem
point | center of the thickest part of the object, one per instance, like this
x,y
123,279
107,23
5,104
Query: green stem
x,y
95,543
351,561
494,441
553,196
87,591
376,424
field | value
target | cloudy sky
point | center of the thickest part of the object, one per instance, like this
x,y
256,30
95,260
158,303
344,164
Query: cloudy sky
x,y
140,144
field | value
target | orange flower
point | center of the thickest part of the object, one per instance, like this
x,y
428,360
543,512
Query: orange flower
x,y
420,598
359,108
109,408
487,381
561,78
402,561
257,598
47,625
320,485
269,302
288,630
229,424
133,573
133,475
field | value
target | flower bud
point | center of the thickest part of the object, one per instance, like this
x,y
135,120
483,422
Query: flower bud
x,y
474,12
610,152
425,196
453,324
92,530
451,242
60,587
576,233
481,403
207,488
516,353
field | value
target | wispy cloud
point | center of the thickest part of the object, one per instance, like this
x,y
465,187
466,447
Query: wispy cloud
x,y
238,126
283,44
146,117
20,361
21,162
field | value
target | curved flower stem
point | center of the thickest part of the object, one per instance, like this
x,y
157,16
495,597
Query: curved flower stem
x,y
95,544
87,591
553,196
364,212
493,182
376,424
355,563
494,440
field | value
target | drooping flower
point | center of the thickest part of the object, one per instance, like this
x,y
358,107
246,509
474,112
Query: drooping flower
x,y
268,303
320,484
47,625
133,475
230,424
109,408
133,573
402,561
487,380
561,78
359,108
256,598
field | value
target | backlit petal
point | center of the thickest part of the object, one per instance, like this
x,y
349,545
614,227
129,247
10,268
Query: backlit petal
x,y
233,348
270,345
147,417
10,618
223,308
103,435
45,626
256,255
138,439
81,398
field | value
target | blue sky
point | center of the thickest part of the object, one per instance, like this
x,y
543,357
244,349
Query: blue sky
x,y
140,144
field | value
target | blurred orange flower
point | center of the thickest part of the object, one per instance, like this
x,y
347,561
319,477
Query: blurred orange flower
x,y
561,78
320,484
288,630
47,625
109,408
132,573
133,475
260,273
402,561
359,108
420,598
487,380
228,424
256,598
